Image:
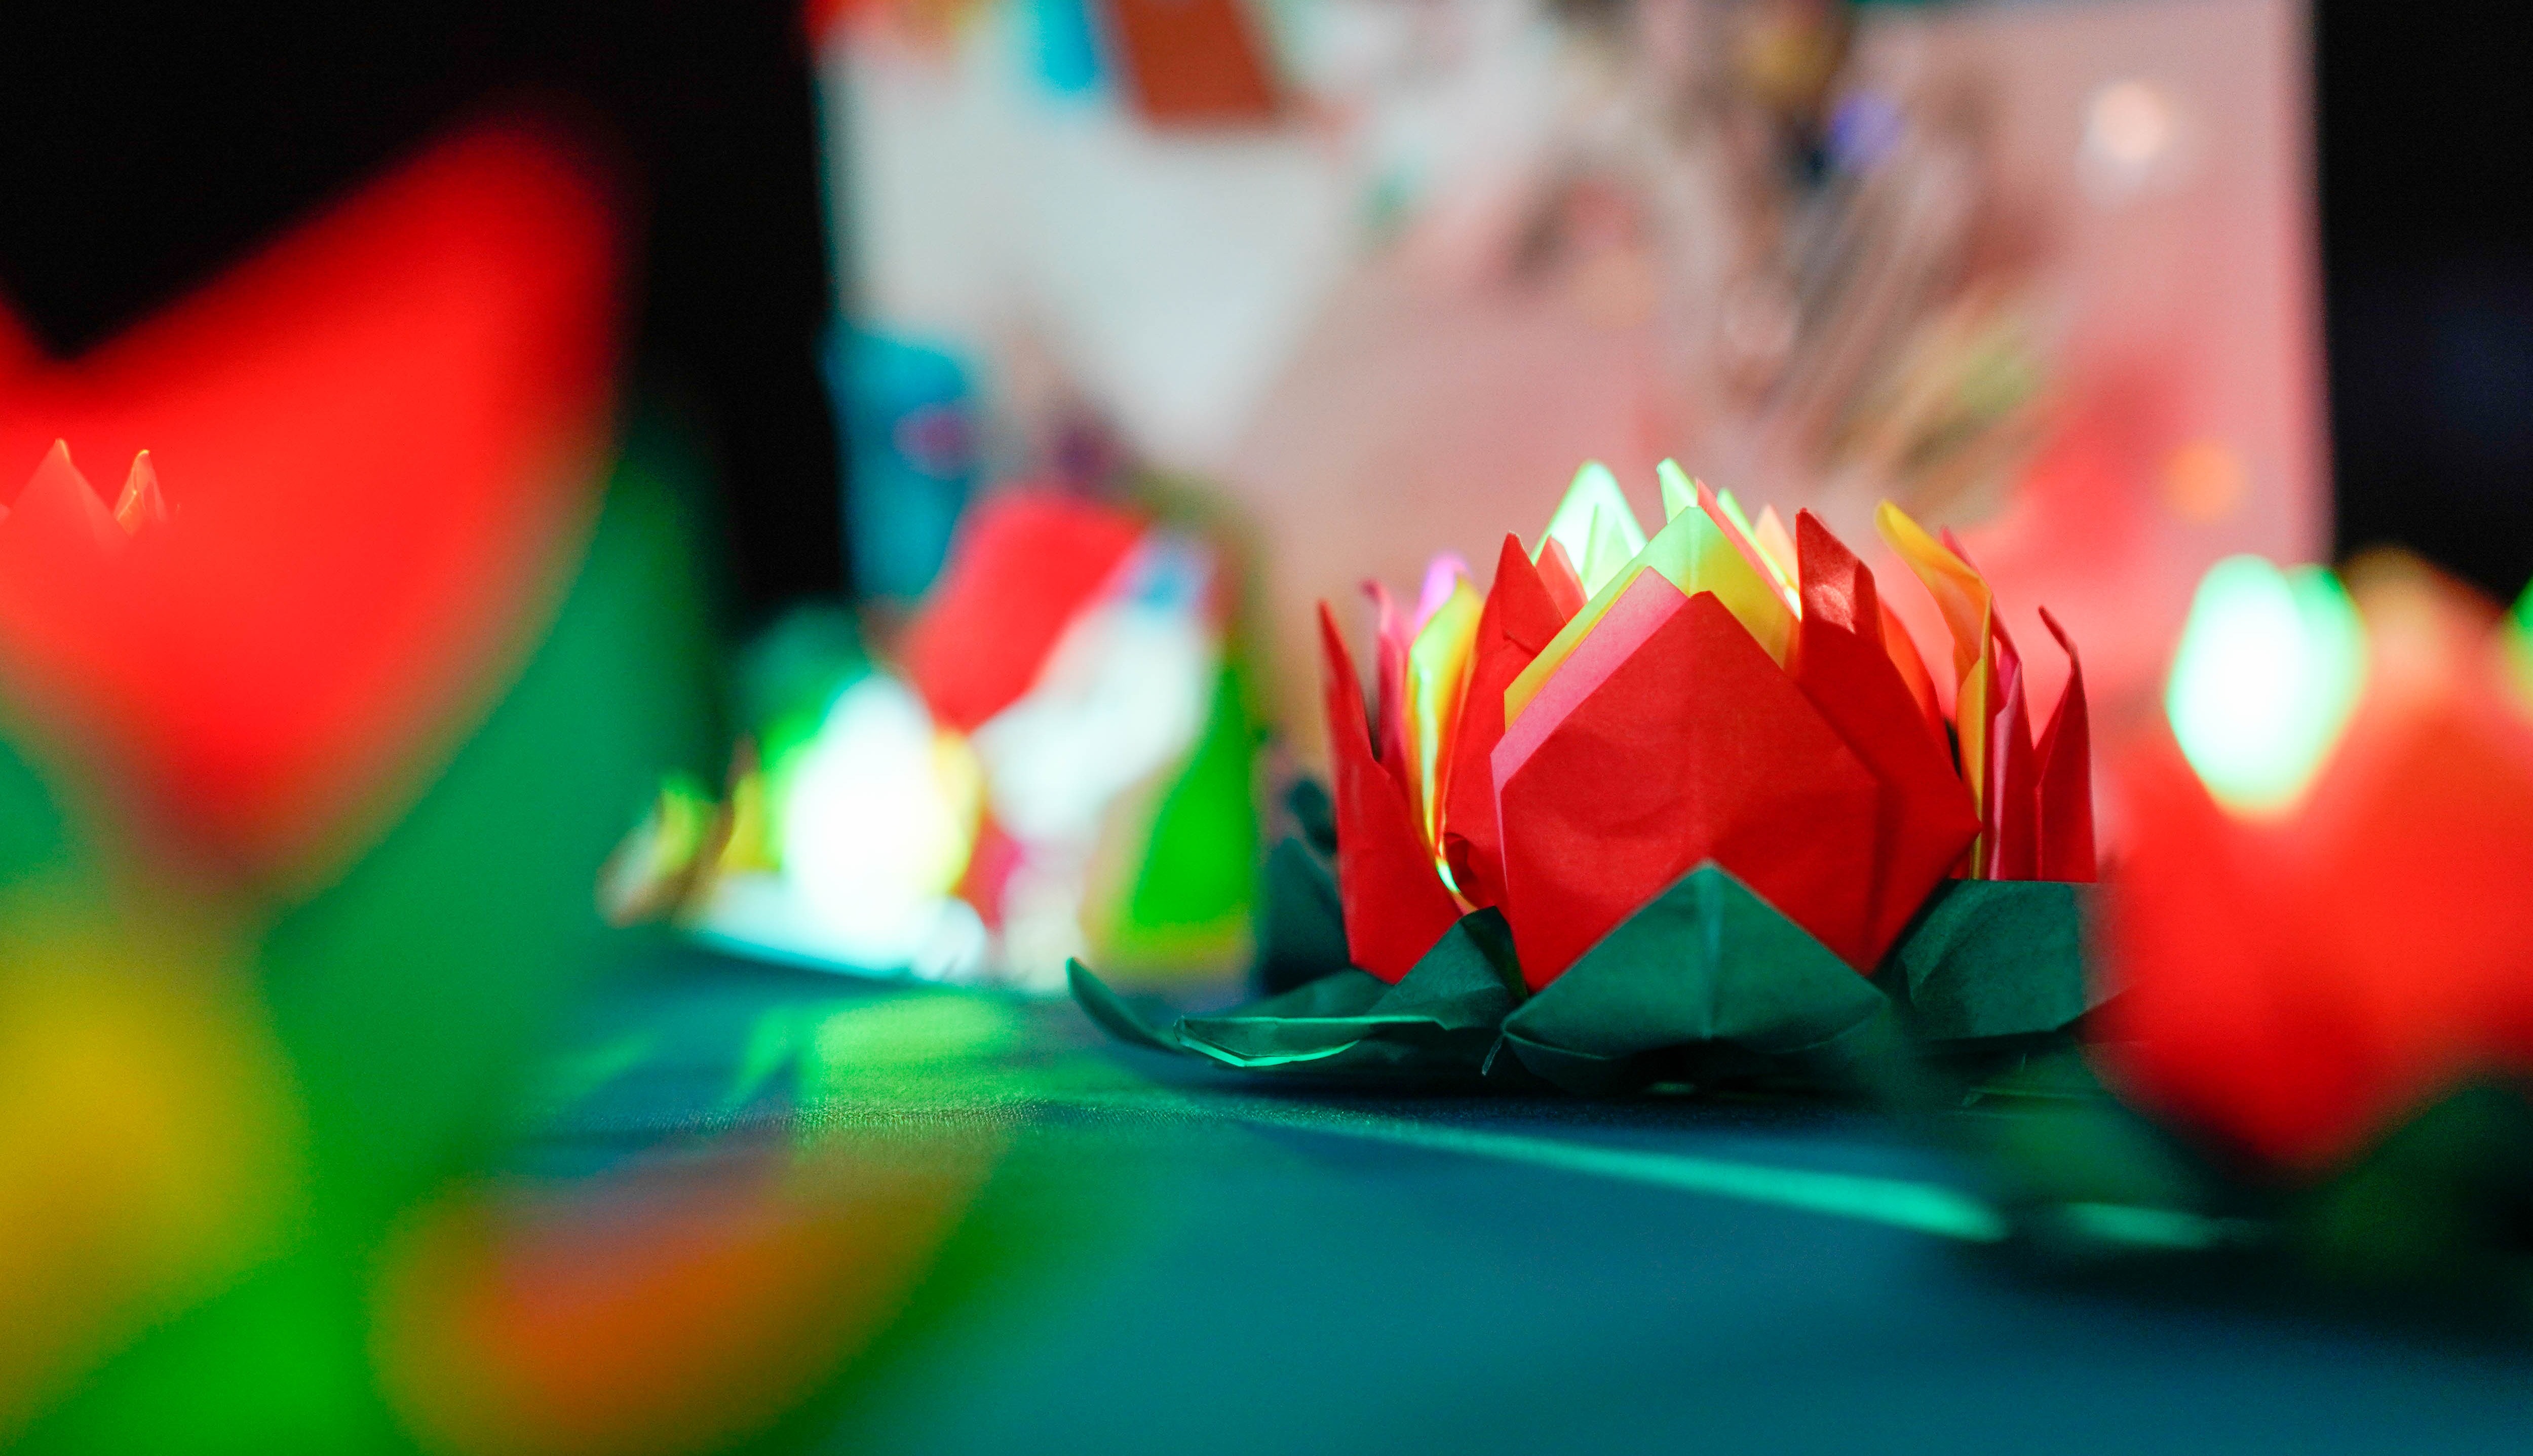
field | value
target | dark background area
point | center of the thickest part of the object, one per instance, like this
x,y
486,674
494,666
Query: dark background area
x,y
144,147
2427,230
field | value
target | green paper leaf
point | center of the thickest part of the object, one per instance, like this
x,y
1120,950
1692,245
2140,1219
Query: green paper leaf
x,y
2425,1222
2057,1137
1437,1026
1315,814
1300,924
1344,992
1989,959
1113,1016
1707,981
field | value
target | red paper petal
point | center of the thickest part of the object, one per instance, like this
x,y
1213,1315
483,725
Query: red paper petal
x,y
1924,818
1395,906
1905,656
1670,739
1565,584
1532,614
1389,683
2014,780
2066,756
2274,992
1519,618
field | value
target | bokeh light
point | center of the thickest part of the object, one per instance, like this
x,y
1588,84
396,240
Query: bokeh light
x,y
2268,670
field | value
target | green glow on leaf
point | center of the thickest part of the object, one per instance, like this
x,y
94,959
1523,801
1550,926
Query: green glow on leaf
x,y
2267,673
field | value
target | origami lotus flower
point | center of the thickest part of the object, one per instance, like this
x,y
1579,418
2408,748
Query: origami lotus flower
x,y
1654,810
1573,744
2320,922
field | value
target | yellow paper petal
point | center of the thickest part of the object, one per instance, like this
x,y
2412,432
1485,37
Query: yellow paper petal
x,y
750,845
1969,610
1694,553
1740,535
1970,726
1532,678
1706,558
1437,676
1960,592
1595,526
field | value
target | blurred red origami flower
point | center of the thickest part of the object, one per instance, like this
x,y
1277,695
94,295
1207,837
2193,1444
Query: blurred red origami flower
x,y
386,430
2320,922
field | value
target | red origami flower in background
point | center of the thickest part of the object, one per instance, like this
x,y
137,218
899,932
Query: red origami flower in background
x,y
1723,693
2321,920
384,431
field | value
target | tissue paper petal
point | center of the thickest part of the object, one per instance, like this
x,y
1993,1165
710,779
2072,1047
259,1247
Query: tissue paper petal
x,y
1667,739
1395,906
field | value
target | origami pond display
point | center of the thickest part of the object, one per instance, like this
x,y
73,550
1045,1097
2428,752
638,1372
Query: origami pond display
x,y
1684,808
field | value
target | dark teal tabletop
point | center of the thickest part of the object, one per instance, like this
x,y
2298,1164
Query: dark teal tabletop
x,y
1168,1260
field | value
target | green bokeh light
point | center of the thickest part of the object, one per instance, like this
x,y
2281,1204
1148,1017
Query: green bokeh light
x,y
2518,630
2267,673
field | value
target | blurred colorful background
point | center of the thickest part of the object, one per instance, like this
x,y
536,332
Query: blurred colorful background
x,y
603,596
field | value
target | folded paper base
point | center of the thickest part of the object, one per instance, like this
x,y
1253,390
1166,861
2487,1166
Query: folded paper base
x,y
1708,984
1300,924
1434,1028
1988,961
